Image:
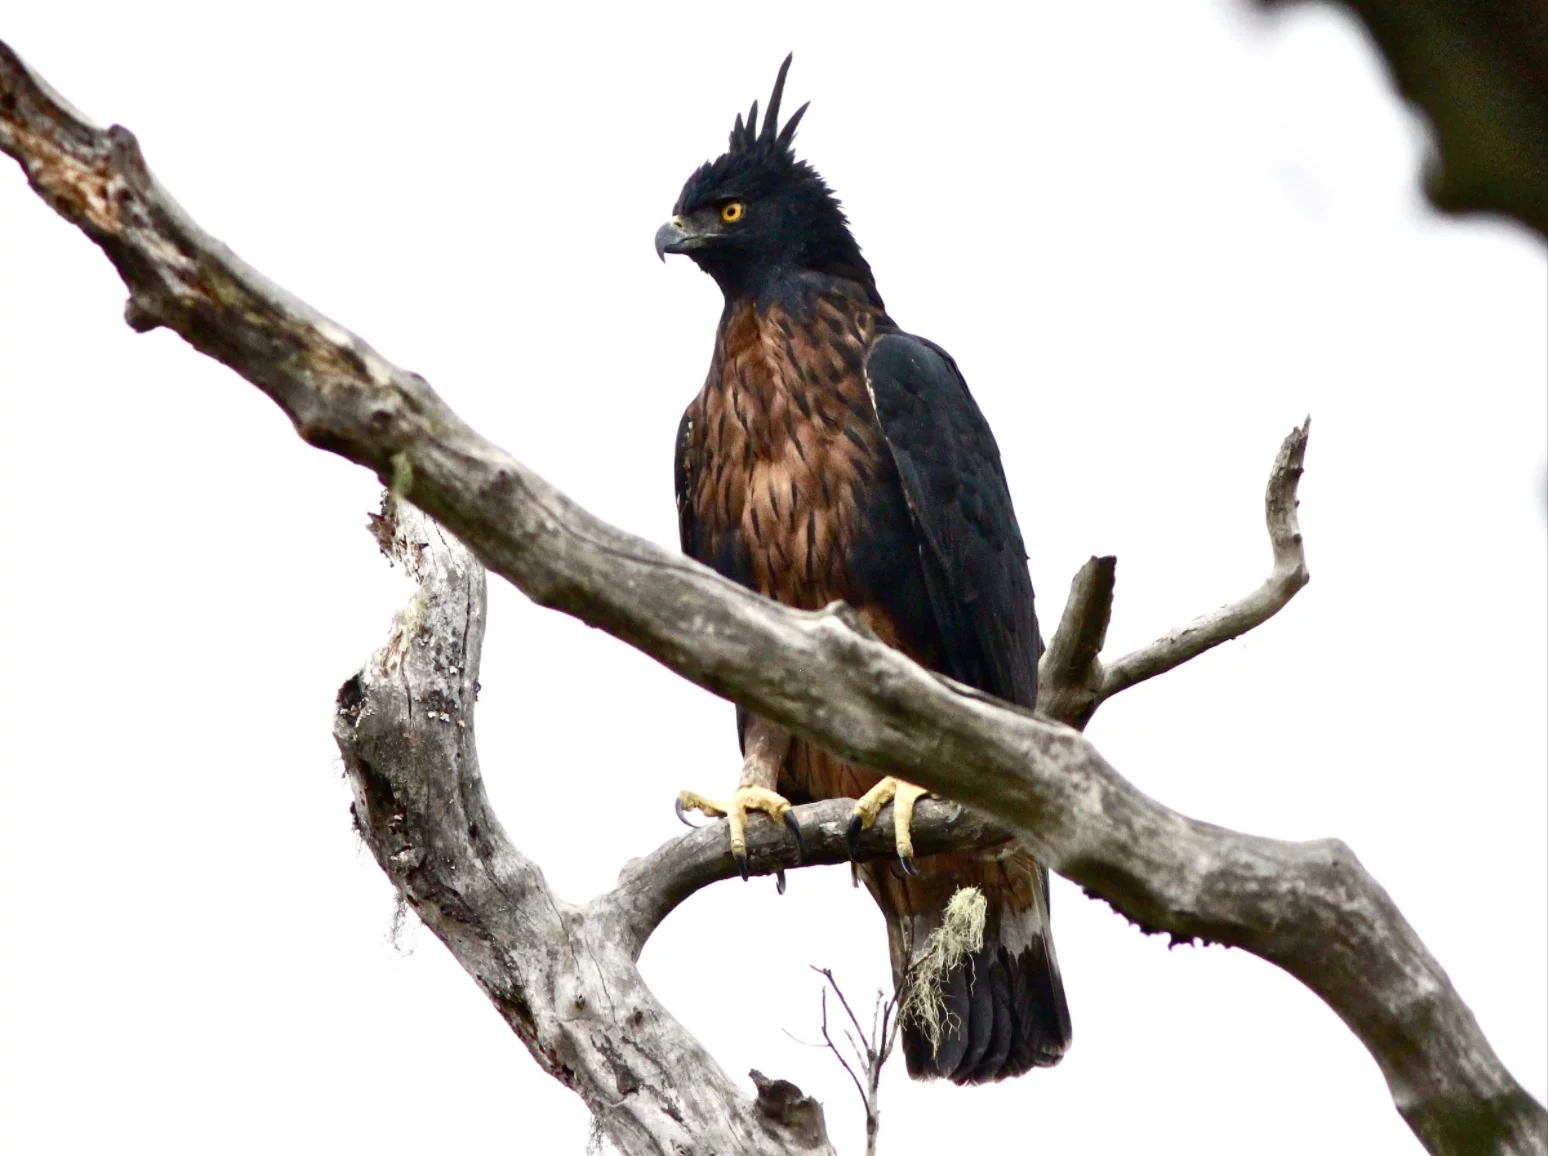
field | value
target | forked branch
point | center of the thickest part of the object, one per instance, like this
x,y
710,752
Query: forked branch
x,y
563,977
1073,680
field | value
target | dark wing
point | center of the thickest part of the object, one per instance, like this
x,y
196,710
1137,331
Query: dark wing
x,y
975,564
975,568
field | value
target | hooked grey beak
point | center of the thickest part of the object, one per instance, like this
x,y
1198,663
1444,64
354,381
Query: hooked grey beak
x,y
670,238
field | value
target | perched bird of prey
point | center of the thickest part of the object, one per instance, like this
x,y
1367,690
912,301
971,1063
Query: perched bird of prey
x,y
830,455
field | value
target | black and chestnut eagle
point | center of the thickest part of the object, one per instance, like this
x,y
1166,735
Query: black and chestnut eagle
x,y
832,456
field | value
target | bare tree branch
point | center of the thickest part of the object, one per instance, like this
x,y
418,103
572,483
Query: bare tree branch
x,y
872,1050
832,1047
649,888
563,977
1287,576
1310,908
1070,674
1073,681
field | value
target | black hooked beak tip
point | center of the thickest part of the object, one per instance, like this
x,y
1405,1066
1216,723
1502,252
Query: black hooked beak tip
x,y
669,239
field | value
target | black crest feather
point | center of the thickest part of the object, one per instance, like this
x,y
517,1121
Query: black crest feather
x,y
747,137
757,152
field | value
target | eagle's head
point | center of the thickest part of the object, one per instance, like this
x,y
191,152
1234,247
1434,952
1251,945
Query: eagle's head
x,y
755,213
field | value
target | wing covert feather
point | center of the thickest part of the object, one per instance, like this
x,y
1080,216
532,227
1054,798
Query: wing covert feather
x,y
974,559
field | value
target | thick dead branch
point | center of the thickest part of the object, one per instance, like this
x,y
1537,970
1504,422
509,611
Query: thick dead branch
x,y
563,977
1073,680
1310,908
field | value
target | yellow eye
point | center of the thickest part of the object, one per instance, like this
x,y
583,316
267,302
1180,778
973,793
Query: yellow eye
x,y
731,211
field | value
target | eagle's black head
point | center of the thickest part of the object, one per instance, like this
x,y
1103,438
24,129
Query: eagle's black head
x,y
756,213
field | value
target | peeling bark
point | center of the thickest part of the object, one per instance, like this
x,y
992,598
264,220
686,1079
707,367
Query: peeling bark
x,y
564,977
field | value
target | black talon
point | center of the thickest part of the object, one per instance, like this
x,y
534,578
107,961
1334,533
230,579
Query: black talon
x,y
779,881
741,863
795,829
908,866
852,836
677,805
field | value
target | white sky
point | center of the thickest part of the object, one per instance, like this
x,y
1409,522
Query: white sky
x,y
1154,236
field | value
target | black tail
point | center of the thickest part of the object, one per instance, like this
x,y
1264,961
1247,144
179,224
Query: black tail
x,y
1005,1014
1002,1008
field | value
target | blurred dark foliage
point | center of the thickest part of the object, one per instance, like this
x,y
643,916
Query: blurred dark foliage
x,y
1479,71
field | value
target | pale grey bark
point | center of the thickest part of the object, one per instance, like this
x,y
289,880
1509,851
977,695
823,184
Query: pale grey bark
x,y
563,977
1310,908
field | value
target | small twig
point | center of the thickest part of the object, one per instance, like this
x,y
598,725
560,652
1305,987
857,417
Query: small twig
x,y
804,1043
889,1025
832,1047
849,1011
871,1050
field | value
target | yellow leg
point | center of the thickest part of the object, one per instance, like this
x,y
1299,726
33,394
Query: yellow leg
x,y
764,749
902,796
735,812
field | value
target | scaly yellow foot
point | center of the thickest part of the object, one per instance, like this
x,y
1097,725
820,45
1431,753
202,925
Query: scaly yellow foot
x,y
902,796
746,799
